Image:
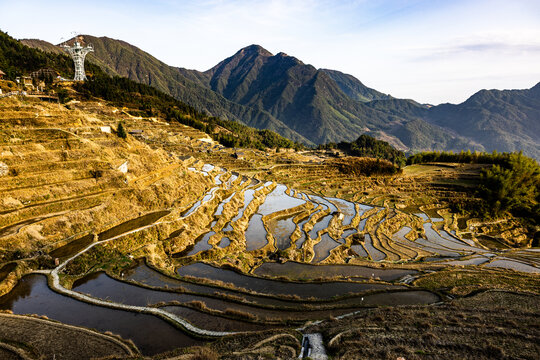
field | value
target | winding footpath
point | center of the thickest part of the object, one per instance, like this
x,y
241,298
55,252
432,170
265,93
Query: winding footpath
x,y
55,284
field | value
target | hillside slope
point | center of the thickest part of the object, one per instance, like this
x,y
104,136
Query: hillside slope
x,y
507,120
119,58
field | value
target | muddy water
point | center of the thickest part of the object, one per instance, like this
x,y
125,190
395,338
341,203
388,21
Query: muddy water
x,y
266,286
282,230
277,200
151,334
255,233
322,248
299,271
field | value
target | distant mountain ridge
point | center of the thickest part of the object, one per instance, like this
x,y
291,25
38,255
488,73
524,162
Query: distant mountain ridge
x,y
317,106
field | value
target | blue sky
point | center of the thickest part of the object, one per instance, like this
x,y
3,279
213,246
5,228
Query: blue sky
x,y
431,51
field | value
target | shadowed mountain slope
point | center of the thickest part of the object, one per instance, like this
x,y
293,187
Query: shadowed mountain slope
x,y
507,120
281,93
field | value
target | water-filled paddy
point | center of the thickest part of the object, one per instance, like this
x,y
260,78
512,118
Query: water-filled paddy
x,y
255,233
322,248
33,296
277,200
6,269
266,286
77,245
248,197
282,230
299,271
327,204
101,286
132,224
202,244
375,254
359,250
346,208
212,322
322,224
508,263
224,242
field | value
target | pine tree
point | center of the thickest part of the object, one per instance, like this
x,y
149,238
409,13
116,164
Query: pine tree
x,y
121,132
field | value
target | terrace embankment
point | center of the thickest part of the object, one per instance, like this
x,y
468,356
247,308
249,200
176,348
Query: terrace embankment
x,y
276,239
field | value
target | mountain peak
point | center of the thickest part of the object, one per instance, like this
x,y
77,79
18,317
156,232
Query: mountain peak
x,y
254,48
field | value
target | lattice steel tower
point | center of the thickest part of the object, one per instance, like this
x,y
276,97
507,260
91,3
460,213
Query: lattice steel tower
x,y
78,53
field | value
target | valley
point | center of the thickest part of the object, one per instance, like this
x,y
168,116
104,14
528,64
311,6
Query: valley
x,y
240,252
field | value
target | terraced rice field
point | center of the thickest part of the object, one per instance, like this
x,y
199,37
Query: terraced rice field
x,y
224,245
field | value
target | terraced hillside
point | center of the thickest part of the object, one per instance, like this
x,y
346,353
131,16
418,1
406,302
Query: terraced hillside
x,y
169,231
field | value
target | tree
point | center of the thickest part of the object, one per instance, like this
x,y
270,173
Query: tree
x,y
121,132
513,187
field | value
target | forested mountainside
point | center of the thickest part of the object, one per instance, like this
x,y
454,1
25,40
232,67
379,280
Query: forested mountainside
x,y
316,106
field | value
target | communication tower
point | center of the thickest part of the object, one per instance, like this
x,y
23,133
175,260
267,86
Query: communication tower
x,y
78,53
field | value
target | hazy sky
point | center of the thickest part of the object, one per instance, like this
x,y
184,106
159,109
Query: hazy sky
x,y
432,51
